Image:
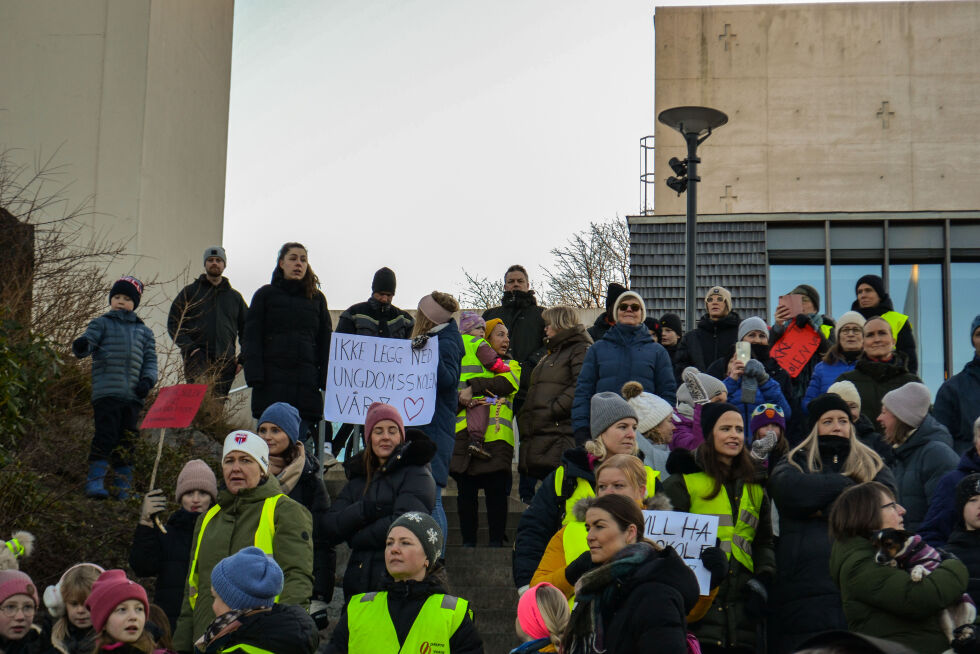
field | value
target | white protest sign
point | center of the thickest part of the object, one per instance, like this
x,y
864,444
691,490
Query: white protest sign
x,y
366,369
688,534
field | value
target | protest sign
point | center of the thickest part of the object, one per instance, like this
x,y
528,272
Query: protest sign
x,y
366,369
175,406
795,348
688,534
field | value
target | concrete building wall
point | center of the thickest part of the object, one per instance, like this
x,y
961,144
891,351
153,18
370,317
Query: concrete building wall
x,y
832,107
131,97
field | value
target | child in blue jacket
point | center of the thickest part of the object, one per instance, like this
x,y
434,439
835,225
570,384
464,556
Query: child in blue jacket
x,y
124,369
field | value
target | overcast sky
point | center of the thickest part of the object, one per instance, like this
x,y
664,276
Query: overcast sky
x,y
431,135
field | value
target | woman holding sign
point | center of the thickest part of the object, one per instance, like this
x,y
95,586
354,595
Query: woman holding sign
x,y
720,478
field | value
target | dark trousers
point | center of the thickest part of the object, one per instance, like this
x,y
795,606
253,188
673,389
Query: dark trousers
x,y
217,373
115,431
495,491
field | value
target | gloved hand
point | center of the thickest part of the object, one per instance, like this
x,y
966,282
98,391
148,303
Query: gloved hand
x,y
318,611
81,347
801,320
761,447
143,387
578,567
755,369
716,562
757,597
582,434
965,640
154,502
419,341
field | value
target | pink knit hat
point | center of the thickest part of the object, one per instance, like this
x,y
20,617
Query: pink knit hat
x,y
379,411
111,589
529,615
15,582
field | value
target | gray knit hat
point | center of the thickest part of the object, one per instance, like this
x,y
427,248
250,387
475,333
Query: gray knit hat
x,y
712,386
606,408
909,403
426,529
215,251
750,325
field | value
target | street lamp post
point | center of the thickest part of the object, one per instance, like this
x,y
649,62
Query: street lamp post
x,y
692,123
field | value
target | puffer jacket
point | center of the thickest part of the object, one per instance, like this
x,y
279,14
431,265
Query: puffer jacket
x,y
727,624
873,379
804,599
282,628
687,430
286,348
442,429
166,557
869,435
232,529
123,352
207,317
372,318
522,316
904,339
768,392
719,369
625,353
364,510
824,375
505,385
958,404
920,462
941,516
710,341
545,420
884,602
965,545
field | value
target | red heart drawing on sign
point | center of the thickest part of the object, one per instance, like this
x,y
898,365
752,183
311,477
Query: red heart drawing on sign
x,y
413,407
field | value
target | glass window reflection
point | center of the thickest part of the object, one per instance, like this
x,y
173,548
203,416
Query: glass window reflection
x,y
917,291
784,278
963,291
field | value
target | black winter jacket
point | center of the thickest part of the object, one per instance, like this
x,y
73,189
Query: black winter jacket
x,y
804,598
965,545
873,379
522,316
904,339
600,327
405,600
33,642
166,557
870,436
363,512
920,462
208,317
287,345
941,518
372,318
702,346
796,429
958,405
283,628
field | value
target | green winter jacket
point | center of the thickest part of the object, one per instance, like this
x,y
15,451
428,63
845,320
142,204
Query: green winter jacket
x,y
232,529
884,602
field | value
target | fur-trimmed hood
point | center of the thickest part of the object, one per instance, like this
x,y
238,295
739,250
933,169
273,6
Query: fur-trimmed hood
x,y
655,503
417,450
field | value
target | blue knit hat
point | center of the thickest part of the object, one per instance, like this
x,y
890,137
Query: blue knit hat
x,y
973,328
285,416
247,580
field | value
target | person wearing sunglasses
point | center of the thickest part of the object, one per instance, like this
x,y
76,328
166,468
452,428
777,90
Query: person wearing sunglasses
x,y
625,353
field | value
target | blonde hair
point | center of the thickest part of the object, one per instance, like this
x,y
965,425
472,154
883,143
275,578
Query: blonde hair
x,y
554,611
75,586
861,465
631,467
560,317
597,448
422,322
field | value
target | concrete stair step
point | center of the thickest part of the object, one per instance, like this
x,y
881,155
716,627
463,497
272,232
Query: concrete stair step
x,y
479,556
491,575
482,537
512,519
498,643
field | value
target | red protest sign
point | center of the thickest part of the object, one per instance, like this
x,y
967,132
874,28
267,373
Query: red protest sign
x,y
795,348
175,407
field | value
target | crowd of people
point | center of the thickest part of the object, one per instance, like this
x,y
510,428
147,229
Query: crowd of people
x,y
811,476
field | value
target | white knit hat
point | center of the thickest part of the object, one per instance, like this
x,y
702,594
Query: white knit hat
x,y
847,391
249,443
631,295
849,318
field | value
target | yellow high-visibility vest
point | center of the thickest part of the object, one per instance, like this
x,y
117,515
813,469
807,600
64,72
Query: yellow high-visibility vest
x,y
736,536
584,489
470,365
500,426
371,629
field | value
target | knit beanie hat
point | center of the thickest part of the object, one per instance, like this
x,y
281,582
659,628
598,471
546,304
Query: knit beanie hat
x,y
384,281
111,589
673,321
650,409
965,489
470,320
379,411
974,326
491,325
285,417
613,291
909,403
810,292
653,325
710,413
215,251
821,404
713,387
605,409
197,475
766,414
627,296
15,582
875,282
755,323
529,615
426,529
723,292
248,579
249,443
434,311
849,318
847,390
130,287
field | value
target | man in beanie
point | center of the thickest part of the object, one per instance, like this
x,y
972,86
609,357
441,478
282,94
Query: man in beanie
x,y
122,376
377,316
958,400
964,541
247,617
205,320
716,332
607,318
943,513
18,596
872,300
923,448
671,332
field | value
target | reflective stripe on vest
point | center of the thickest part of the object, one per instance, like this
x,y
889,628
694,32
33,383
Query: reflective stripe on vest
x,y
264,534
371,629
826,330
470,366
736,539
251,649
500,425
896,321
584,489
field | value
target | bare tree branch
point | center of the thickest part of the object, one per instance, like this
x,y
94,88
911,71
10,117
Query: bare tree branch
x,y
479,292
587,263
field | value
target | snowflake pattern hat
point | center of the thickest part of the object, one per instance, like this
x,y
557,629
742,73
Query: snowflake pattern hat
x,y
425,529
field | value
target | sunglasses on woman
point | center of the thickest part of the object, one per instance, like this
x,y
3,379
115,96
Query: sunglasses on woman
x,y
629,307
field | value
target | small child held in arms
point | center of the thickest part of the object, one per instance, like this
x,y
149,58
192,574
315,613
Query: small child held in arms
x,y
479,360
72,631
124,369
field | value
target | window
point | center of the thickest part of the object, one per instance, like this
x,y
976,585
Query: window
x,y
843,279
917,291
963,291
784,278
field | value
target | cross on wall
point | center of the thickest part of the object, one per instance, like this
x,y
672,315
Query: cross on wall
x,y
727,36
884,114
728,198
